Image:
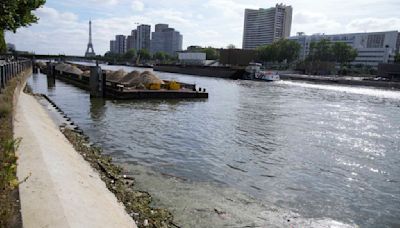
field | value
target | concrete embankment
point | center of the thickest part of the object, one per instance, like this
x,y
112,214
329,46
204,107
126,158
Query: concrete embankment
x,y
61,190
340,80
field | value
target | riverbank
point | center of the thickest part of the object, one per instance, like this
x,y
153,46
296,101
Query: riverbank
x,y
61,189
10,215
71,173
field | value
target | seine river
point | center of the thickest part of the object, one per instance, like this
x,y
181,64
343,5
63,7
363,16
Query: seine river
x,y
254,154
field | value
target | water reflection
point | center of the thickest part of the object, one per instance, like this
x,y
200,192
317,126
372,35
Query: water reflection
x,y
51,83
97,108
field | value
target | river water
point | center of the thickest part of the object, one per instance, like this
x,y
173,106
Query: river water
x,y
254,154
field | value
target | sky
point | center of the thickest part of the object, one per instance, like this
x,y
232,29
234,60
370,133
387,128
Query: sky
x,y
63,24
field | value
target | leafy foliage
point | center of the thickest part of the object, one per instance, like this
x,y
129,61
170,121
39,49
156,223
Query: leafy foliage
x,y
160,56
343,53
211,53
321,51
324,52
130,54
279,51
15,14
397,58
144,54
8,159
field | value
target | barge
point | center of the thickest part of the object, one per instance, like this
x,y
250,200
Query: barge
x,y
97,82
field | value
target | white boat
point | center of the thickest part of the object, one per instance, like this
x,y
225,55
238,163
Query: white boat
x,y
267,76
253,72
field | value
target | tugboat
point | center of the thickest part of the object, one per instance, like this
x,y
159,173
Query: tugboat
x,y
253,72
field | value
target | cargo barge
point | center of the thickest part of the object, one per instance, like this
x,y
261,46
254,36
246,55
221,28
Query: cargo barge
x,y
117,88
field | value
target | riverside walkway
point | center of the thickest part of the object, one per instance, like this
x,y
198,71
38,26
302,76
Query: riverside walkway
x,y
62,190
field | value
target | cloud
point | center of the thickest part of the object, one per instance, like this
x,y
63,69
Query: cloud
x,y
373,24
107,2
308,22
63,25
138,6
57,33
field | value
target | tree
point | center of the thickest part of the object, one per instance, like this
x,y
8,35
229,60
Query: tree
x,y
211,53
231,46
112,57
130,54
343,53
144,54
397,58
279,51
321,50
267,53
288,50
161,56
15,14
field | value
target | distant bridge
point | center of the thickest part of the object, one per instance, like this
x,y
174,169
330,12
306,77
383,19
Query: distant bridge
x,y
62,57
55,57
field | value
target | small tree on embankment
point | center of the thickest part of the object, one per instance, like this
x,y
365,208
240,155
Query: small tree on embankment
x,y
279,52
324,55
397,58
15,14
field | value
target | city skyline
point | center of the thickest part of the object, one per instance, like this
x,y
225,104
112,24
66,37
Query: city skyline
x,y
214,23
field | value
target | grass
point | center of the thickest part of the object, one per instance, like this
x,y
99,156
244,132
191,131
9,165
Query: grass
x,y
9,199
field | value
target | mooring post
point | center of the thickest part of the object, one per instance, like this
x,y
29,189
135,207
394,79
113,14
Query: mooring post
x,y
97,82
34,66
50,69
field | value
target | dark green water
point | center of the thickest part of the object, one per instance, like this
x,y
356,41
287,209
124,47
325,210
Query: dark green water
x,y
254,153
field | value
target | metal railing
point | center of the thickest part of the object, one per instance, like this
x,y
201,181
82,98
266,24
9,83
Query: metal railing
x,y
9,70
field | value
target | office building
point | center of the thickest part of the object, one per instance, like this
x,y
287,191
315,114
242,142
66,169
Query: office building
x,y
120,44
264,26
112,46
373,48
131,40
165,39
143,37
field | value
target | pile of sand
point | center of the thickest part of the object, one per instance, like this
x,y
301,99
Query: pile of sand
x,y
41,64
68,68
131,79
148,77
115,76
134,78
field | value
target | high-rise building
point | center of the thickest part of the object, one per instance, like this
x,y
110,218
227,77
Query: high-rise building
x,y
165,39
112,46
373,48
120,44
143,37
161,27
264,26
131,40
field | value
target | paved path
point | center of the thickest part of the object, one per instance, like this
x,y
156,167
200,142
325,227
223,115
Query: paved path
x,y
63,190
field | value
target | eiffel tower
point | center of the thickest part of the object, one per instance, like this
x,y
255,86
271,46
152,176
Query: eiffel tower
x,y
90,50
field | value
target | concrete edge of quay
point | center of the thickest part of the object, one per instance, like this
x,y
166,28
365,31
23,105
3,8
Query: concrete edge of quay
x,y
61,189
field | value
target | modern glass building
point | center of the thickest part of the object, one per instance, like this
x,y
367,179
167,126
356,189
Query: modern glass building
x,y
373,48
